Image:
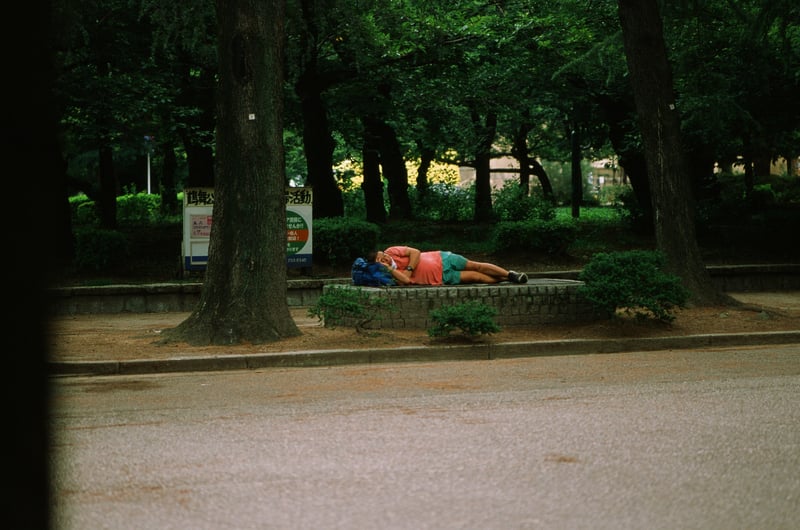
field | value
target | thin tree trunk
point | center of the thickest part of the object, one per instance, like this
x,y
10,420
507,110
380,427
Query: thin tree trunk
x,y
520,152
577,176
372,186
169,197
394,169
426,159
318,146
107,205
483,158
544,180
199,93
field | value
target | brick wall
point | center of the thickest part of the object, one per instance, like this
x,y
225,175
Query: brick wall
x,y
544,301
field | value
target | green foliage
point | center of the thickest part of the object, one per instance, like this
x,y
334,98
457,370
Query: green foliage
x,y
138,209
602,229
444,202
633,282
511,204
551,237
464,238
342,303
354,204
340,240
83,211
560,174
133,210
473,318
98,249
630,209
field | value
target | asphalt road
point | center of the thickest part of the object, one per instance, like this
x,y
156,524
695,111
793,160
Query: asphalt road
x,y
659,440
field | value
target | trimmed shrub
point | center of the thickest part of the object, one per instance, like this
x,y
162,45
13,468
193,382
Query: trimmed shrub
x,y
551,237
511,204
632,282
83,211
473,318
339,240
98,249
336,305
138,209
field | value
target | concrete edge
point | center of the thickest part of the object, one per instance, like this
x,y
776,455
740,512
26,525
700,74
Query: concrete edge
x,y
505,350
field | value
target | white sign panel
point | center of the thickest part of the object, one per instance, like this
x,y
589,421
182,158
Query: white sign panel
x,y
197,218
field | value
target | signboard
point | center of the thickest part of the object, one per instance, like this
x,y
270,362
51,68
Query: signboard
x,y
197,218
298,227
197,206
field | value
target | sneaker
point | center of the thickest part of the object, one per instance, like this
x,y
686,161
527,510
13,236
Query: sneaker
x,y
517,277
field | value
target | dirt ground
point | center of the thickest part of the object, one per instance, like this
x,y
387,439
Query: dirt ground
x,y
136,335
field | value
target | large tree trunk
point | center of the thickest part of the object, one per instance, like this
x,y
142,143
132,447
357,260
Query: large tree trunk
x,y
670,184
244,293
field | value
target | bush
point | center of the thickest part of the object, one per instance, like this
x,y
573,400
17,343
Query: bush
x,y
138,209
133,209
632,282
552,237
98,249
473,318
82,210
637,216
338,304
511,204
444,202
354,204
339,240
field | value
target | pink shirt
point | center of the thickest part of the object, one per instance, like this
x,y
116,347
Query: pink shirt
x,y
429,270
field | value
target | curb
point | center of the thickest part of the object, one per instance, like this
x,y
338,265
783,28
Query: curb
x,y
504,350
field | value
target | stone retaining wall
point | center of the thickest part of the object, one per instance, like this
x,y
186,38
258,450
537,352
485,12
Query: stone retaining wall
x,y
160,297
184,296
543,301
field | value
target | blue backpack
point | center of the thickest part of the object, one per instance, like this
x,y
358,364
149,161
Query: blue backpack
x,y
371,274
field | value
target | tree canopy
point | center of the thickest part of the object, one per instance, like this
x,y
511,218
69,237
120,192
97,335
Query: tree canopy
x,y
447,80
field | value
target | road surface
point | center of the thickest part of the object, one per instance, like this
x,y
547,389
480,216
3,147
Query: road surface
x,y
659,440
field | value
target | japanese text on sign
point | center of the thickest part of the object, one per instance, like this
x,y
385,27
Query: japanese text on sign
x,y
298,196
199,197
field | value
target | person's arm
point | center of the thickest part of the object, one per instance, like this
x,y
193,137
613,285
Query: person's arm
x,y
401,277
413,256
413,259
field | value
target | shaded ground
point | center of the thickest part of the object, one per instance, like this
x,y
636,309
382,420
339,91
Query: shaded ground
x,y
135,335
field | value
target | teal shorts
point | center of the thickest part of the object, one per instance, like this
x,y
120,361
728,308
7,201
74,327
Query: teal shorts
x,y
452,265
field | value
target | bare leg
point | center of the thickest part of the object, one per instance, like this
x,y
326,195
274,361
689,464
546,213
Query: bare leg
x,y
487,269
469,276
